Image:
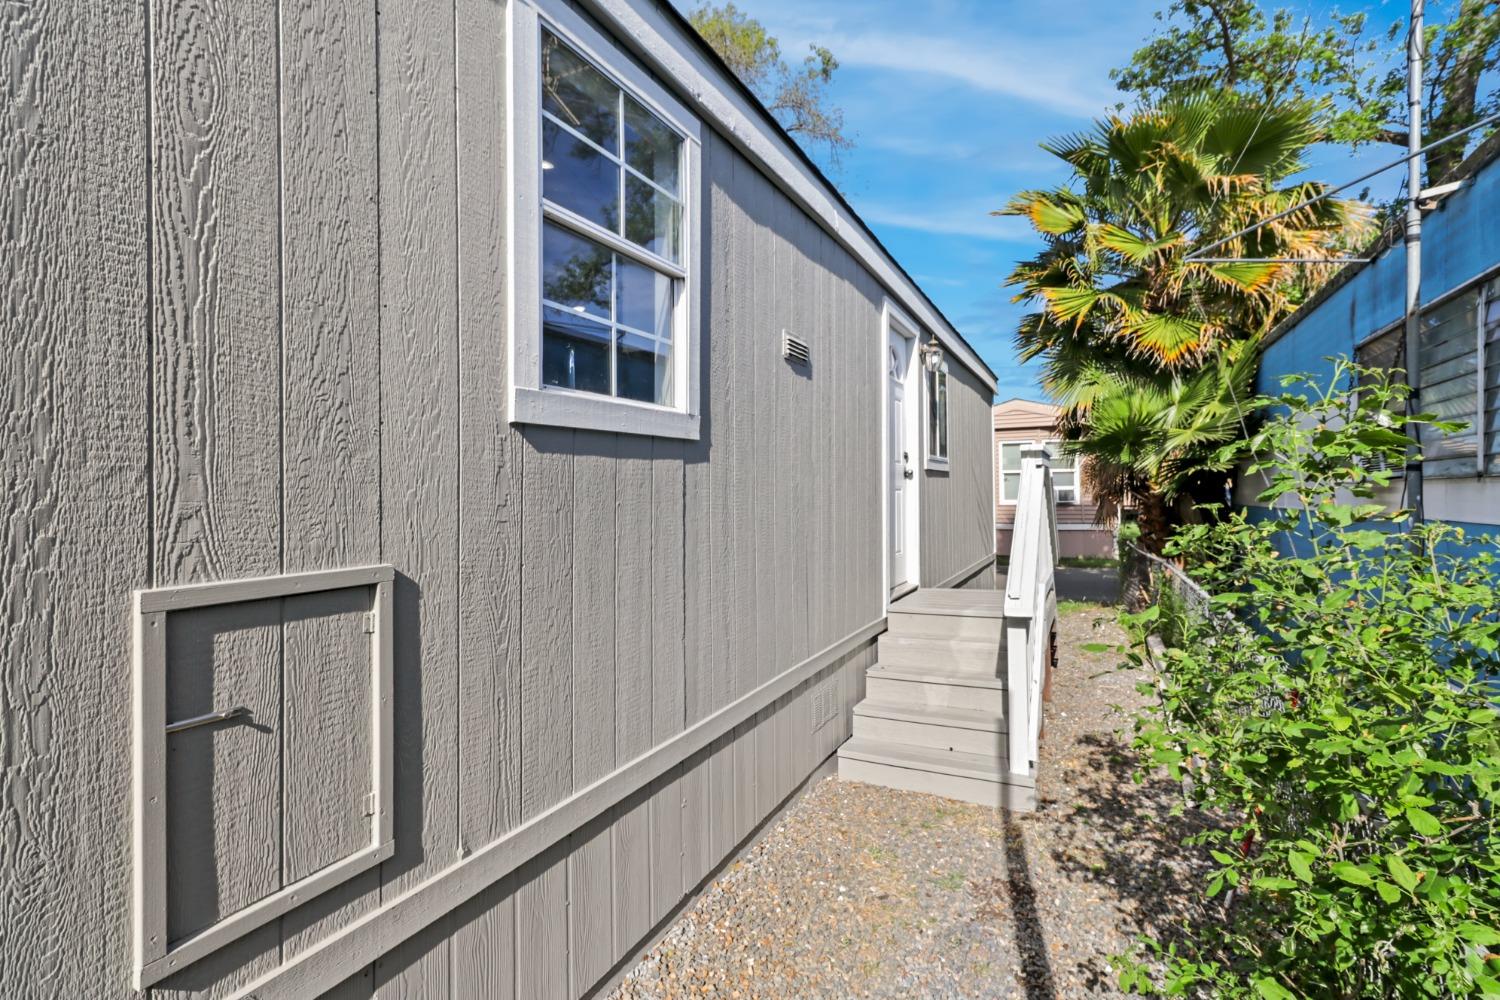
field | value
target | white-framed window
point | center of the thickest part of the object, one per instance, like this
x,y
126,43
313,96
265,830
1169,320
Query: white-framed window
x,y
604,268
1010,469
1064,468
1064,471
937,418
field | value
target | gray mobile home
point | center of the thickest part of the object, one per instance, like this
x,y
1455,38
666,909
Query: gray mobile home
x,y
458,460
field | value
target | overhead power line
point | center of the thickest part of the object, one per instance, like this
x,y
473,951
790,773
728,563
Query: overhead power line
x,y
1197,255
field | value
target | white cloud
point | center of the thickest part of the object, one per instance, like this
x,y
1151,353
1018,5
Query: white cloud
x,y
1037,75
973,222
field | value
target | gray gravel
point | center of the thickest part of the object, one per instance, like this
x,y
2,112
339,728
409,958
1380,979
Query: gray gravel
x,y
862,891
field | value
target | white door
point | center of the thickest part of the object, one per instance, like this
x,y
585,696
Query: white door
x,y
899,472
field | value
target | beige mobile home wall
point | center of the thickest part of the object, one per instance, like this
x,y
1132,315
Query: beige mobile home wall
x,y
255,324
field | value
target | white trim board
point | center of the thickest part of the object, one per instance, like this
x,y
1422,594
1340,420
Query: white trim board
x,y
658,42
325,965
530,401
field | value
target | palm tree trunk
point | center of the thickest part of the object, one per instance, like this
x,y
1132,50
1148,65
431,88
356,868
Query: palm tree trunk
x,y
1153,517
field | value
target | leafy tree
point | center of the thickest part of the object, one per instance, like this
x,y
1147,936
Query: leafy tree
x,y
1334,707
1358,75
796,95
1142,347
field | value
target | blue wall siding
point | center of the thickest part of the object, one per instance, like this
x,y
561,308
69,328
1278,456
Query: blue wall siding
x,y
1460,241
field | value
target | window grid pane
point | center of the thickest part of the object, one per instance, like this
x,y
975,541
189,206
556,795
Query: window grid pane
x,y
607,329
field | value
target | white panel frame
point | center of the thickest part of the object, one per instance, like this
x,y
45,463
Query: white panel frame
x,y
930,461
153,960
530,401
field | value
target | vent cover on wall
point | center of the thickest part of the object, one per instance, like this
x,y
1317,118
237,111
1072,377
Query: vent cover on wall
x,y
825,701
794,349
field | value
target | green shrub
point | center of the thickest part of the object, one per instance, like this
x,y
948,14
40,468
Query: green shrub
x,y
1336,708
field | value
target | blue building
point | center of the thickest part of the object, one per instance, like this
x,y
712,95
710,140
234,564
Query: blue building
x,y
1359,314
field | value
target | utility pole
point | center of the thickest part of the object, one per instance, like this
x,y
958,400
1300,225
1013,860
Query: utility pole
x,y
1414,47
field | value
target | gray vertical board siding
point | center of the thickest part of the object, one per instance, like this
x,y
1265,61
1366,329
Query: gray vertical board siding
x,y
542,926
726,279
546,620
633,621
330,429
697,494
216,466
633,527
592,533
490,479
697,844
591,905
419,448
668,599
74,497
957,509
420,455
484,945
668,857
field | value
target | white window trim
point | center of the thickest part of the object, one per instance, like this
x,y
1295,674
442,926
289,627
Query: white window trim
x,y
1076,469
1000,466
930,461
530,402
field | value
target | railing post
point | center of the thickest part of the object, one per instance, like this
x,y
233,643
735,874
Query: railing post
x,y
1028,604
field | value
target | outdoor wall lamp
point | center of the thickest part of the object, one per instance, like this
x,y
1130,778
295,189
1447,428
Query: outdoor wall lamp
x,y
932,355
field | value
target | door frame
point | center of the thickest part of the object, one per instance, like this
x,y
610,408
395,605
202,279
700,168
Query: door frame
x,y
894,321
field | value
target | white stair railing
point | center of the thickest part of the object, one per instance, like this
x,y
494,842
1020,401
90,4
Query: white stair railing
x,y
1030,609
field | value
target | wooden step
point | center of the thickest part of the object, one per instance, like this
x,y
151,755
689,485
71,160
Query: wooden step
x,y
965,656
917,686
962,730
973,628
978,778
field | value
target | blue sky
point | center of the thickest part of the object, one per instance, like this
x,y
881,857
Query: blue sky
x,y
946,101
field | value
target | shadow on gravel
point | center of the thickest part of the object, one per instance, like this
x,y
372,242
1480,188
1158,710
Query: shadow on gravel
x,y
1138,855
1036,966
1012,900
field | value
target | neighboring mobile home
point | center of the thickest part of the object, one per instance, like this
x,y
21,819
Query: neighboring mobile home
x,y
1360,315
458,459
1022,425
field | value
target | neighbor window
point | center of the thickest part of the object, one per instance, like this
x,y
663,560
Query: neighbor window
x,y
1010,469
607,343
1460,379
937,418
1063,465
1064,471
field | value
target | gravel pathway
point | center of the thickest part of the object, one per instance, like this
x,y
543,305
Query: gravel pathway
x,y
862,891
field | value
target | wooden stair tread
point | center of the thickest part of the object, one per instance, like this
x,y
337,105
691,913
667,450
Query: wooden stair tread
x,y
980,767
952,603
922,675
936,715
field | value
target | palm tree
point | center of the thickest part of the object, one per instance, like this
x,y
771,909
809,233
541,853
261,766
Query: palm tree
x,y
1148,351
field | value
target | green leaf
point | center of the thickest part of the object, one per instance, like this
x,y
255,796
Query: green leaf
x,y
1479,934
1301,864
1351,873
1270,989
1404,876
1388,892
1424,822
1274,882
1097,647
